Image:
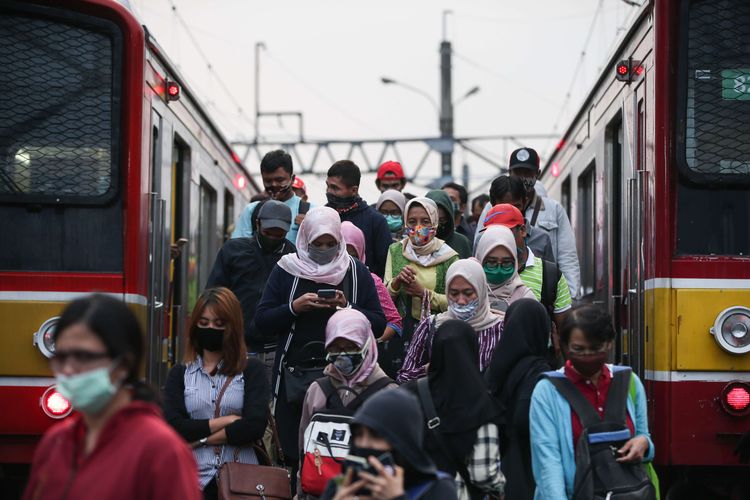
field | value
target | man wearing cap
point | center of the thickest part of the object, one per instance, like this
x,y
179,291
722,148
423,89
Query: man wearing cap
x,y
547,214
391,176
277,172
244,264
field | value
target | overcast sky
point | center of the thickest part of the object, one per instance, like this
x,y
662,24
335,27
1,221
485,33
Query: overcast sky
x,y
325,59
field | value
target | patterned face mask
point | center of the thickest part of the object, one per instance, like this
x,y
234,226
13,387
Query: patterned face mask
x,y
464,312
420,235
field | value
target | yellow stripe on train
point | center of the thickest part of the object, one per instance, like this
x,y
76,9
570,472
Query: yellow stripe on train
x,y
679,322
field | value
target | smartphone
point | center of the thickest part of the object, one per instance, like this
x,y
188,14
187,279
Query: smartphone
x,y
362,464
327,293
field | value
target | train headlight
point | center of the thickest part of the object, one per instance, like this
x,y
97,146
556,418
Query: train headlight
x,y
43,338
732,329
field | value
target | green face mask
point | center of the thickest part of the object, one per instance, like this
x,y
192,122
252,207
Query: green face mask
x,y
395,222
497,275
89,392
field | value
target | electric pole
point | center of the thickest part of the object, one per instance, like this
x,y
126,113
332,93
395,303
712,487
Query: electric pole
x,y
446,103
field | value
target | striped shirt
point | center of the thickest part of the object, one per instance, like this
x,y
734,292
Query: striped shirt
x,y
201,392
532,276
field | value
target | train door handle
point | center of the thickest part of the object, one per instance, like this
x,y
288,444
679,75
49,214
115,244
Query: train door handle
x,y
158,305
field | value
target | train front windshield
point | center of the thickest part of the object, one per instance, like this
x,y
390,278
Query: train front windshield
x,y
713,137
59,141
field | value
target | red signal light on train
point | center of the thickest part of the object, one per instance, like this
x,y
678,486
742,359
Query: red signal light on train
x,y
240,182
555,169
54,404
623,69
172,91
735,398
628,70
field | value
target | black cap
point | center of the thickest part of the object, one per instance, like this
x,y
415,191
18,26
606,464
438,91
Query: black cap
x,y
274,213
524,158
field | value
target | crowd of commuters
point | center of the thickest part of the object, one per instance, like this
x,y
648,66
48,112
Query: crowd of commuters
x,y
445,342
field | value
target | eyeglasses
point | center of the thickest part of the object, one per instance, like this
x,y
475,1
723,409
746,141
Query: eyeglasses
x,y
395,213
507,263
77,358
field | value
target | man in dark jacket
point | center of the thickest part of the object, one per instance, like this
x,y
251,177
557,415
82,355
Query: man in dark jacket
x,y
446,228
342,191
391,423
244,264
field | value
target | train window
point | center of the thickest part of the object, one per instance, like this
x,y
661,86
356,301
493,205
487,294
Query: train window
x,y
59,107
714,93
228,214
565,195
207,232
713,132
586,225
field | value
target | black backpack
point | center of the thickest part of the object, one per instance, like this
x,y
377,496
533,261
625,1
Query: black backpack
x,y
598,475
550,276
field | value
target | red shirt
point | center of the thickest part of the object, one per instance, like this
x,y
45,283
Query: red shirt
x,y
137,455
596,395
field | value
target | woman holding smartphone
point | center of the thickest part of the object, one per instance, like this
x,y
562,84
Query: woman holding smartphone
x,y
303,291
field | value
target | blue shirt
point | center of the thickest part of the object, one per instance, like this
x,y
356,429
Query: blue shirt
x,y
244,227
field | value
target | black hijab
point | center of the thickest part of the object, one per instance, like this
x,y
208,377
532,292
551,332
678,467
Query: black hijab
x,y
457,387
522,346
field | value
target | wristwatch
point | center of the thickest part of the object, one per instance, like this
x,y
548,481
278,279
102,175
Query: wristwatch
x,y
203,441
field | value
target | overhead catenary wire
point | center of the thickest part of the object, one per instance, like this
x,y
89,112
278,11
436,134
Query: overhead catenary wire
x,y
202,54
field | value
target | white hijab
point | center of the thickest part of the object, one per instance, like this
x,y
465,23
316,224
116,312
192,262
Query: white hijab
x,y
500,236
471,270
436,250
318,222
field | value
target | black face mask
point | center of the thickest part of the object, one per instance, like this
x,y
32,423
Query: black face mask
x,y
210,339
336,202
276,193
270,245
365,452
442,230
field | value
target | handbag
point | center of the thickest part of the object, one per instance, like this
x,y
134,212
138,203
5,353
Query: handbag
x,y
237,481
299,376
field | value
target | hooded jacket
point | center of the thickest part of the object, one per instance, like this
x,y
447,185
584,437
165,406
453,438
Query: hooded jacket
x,y
137,455
397,417
377,234
456,241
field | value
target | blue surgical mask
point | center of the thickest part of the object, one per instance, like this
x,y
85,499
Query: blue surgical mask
x,y
395,222
464,312
89,392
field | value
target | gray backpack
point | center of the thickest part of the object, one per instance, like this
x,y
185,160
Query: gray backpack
x,y
598,474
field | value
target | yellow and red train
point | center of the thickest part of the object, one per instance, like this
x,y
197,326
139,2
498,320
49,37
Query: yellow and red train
x,y
655,173
113,178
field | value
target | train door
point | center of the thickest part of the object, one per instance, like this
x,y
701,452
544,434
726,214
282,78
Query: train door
x,y
635,258
156,309
179,255
617,220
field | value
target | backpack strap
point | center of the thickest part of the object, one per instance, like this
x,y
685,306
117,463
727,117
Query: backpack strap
x,y
616,407
537,207
304,207
350,283
333,400
550,277
577,401
379,384
433,422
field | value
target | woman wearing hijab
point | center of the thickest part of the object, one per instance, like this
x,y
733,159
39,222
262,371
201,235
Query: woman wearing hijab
x,y
518,361
497,253
446,224
353,355
465,441
467,301
391,206
415,275
355,245
293,310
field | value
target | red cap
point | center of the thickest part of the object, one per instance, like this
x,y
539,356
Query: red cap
x,y
390,169
505,215
298,183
